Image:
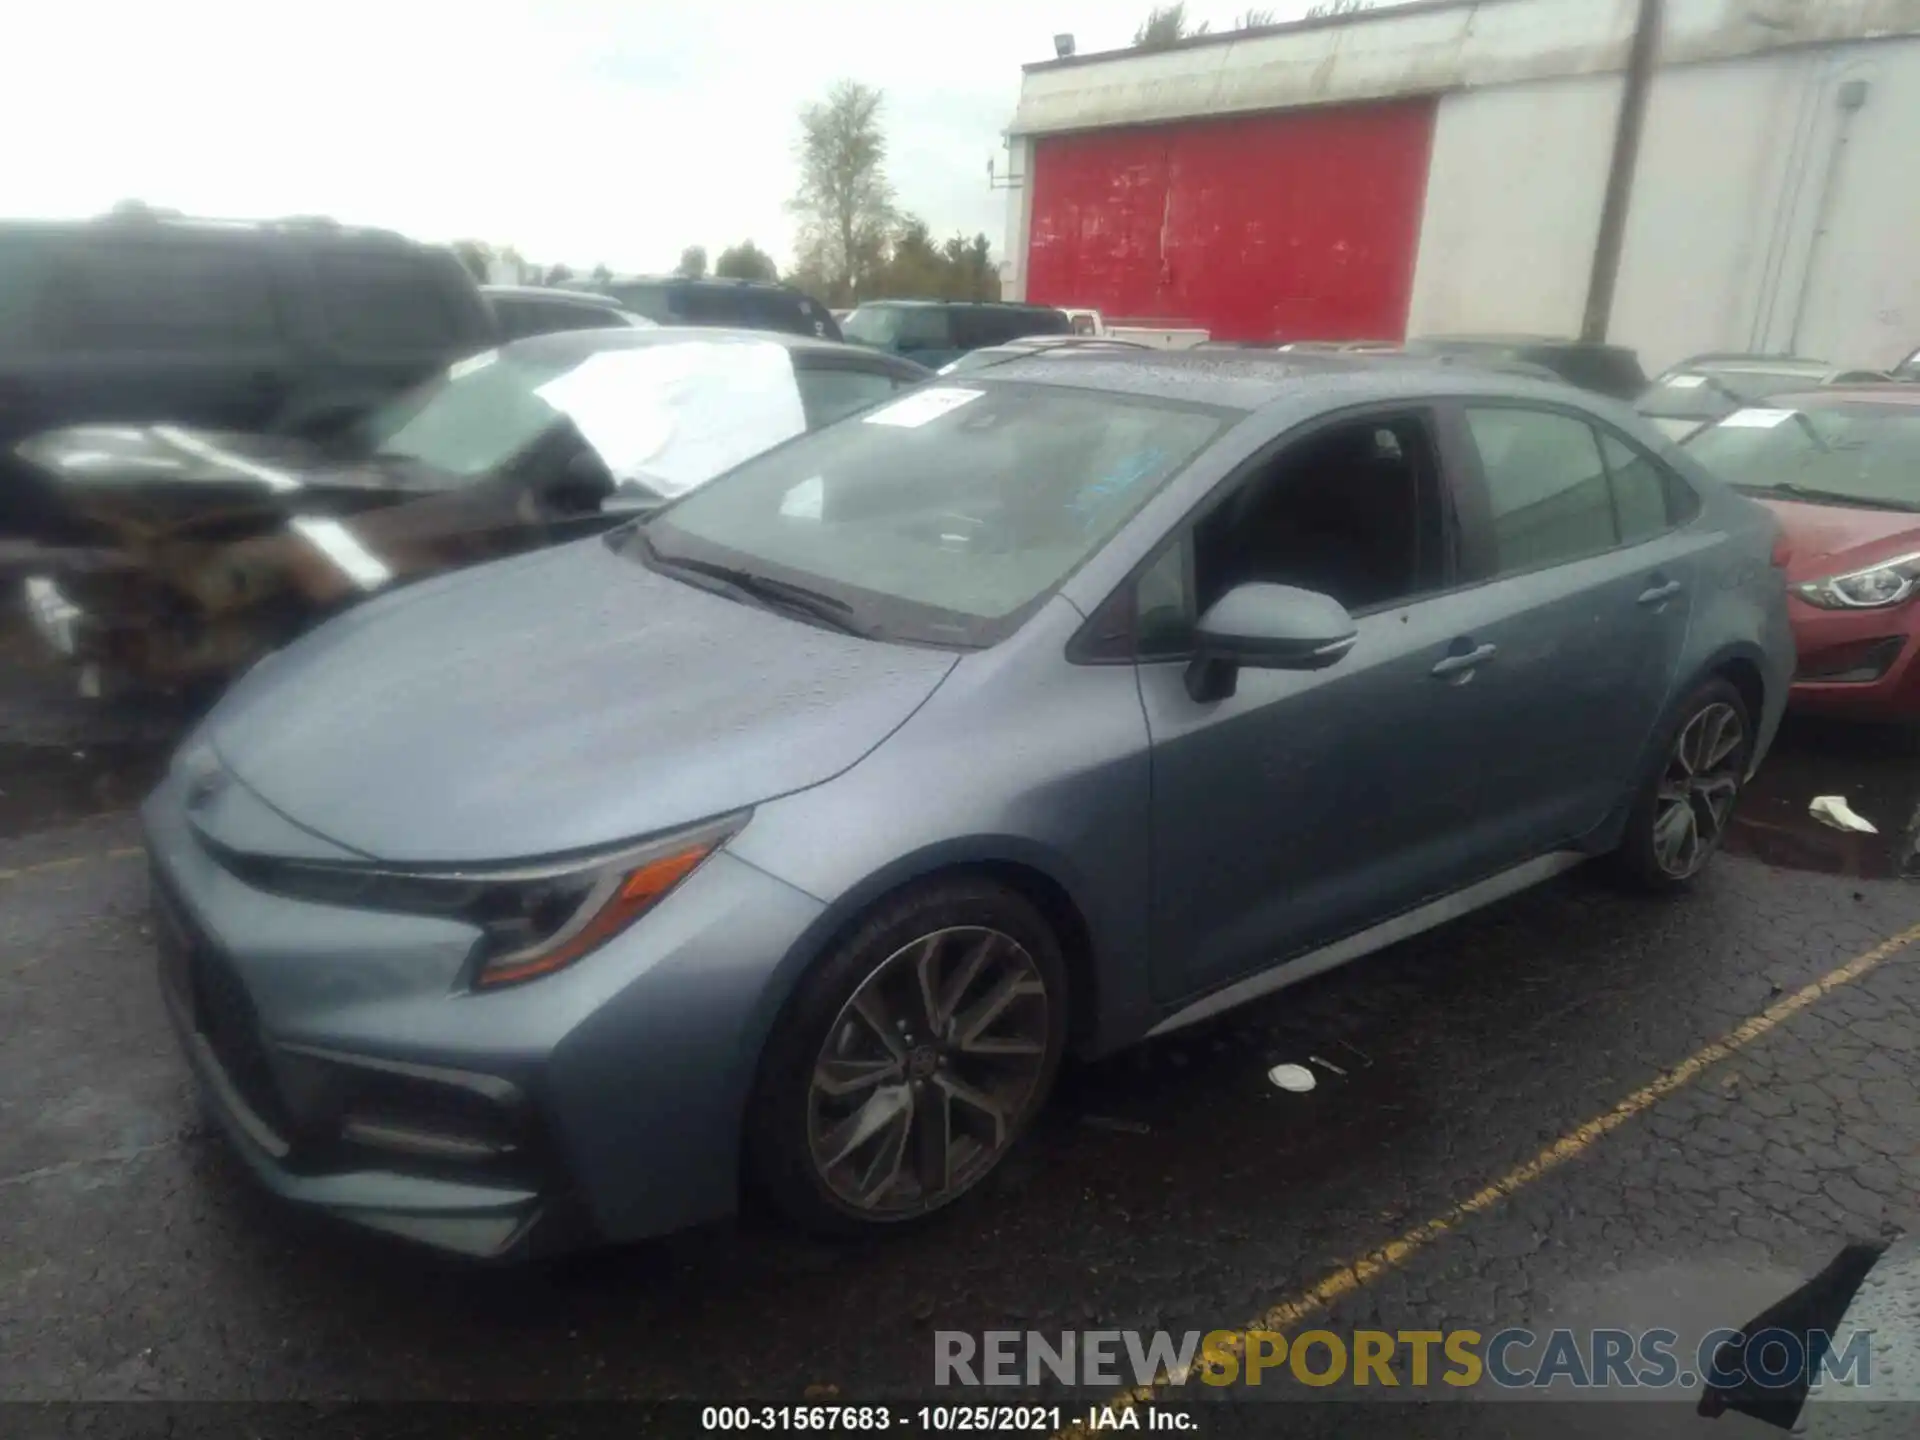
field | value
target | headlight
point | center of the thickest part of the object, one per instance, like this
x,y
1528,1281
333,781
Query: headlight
x,y
1887,583
535,918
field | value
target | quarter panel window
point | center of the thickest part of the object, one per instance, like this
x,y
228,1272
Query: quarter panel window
x,y
1547,488
385,302
1639,491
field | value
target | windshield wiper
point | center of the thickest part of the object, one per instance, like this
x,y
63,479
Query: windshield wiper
x,y
765,590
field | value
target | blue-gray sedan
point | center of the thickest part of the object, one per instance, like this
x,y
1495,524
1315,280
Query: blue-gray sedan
x,y
791,837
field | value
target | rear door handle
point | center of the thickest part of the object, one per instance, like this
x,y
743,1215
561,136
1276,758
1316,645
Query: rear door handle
x,y
1461,664
1660,593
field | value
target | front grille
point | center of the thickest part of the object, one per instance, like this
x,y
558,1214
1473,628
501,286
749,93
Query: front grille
x,y
218,1006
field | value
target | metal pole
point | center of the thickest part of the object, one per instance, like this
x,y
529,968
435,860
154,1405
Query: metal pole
x,y
1626,154
1852,96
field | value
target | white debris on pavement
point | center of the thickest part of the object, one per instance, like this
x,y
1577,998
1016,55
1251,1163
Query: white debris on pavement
x,y
1833,810
1296,1078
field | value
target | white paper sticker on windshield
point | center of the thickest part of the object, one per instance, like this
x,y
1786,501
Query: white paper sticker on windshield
x,y
465,367
1756,419
1686,382
918,408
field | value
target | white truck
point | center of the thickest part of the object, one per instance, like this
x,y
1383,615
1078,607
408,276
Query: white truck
x,y
1154,333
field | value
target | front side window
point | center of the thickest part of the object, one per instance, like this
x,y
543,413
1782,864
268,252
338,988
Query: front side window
x,y
1351,511
1546,487
900,327
1834,452
942,516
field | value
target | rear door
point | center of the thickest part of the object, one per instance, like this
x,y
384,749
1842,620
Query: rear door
x,y
1585,590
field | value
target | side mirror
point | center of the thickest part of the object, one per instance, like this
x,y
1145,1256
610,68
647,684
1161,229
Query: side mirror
x,y
1266,627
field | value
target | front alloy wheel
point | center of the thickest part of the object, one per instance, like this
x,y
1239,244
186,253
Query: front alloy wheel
x,y
910,1059
926,1069
1697,792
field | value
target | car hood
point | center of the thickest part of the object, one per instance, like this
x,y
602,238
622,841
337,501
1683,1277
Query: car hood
x,y
134,477
556,702
1834,539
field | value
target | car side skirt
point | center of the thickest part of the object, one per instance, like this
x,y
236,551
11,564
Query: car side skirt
x,y
1378,937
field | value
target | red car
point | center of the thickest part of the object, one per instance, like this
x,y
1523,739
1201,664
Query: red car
x,y
1840,467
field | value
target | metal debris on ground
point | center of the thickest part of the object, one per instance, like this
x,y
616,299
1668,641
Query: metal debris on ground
x,y
1833,810
1327,1065
1296,1078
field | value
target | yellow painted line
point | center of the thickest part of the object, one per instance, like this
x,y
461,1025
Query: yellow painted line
x,y
72,862
1358,1274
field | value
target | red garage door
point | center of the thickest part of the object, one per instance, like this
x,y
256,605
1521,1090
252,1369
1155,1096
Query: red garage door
x,y
1301,225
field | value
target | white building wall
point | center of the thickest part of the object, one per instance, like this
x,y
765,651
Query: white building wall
x,y
1726,199
1514,191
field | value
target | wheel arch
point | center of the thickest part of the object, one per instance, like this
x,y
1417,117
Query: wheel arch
x,y
1037,874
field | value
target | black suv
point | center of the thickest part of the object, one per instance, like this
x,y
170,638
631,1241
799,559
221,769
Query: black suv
x,y
1610,370
738,304
291,327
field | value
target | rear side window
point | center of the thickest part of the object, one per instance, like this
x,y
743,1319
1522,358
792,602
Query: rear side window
x,y
650,301
828,395
1546,487
1044,321
160,295
1648,498
385,302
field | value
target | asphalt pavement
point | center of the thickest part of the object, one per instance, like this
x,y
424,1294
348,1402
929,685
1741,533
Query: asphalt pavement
x,y
1578,1107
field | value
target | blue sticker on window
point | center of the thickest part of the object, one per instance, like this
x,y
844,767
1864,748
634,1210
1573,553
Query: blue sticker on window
x,y
1128,472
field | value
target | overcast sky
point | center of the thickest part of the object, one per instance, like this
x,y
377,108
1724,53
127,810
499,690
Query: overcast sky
x,y
581,131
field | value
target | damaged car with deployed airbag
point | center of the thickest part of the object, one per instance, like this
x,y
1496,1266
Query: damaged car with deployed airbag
x,y
183,555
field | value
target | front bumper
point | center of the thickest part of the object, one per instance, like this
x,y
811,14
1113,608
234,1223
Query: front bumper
x,y
1856,662
355,1073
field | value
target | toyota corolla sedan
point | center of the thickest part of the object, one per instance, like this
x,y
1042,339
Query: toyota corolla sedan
x,y
791,836
1840,468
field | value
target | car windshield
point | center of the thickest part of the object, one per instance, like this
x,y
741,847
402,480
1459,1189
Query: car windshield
x,y
1709,394
1850,454
661,417
943,517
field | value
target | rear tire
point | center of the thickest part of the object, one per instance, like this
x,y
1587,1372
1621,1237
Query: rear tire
x,y
1683,808
911,1060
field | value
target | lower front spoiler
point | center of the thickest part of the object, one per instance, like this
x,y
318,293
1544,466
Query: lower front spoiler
x,y
482,1221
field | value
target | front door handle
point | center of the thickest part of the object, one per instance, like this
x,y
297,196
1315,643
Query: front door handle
x,y
1659,594
1461,664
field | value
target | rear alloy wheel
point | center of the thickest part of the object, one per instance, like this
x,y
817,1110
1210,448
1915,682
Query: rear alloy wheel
x,y
912,1060
1681,816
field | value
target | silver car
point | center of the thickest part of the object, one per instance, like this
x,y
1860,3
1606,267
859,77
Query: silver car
x,y
795,834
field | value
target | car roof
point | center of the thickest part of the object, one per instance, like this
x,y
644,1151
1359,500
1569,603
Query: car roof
x,y
567,344
1530,342
1247,380
587,299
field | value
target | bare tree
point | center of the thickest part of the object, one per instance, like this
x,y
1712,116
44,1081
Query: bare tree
x,y
1253,19
1166,25
845,203
1337,7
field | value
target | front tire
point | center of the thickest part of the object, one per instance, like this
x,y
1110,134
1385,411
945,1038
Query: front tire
x,y
1680,816
910,1060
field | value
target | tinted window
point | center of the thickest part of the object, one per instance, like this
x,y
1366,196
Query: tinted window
x,y
900,327
1639,491
830,394
386,302
1546,487
160,294
643,299
520,318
